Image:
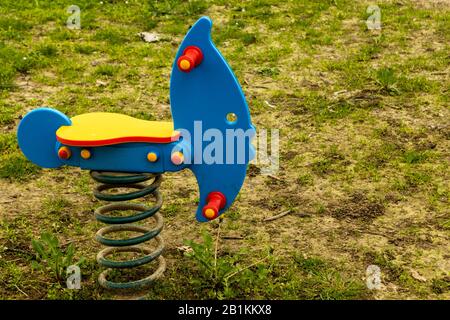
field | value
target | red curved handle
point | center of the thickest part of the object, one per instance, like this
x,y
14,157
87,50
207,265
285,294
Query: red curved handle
x,y
192,57
215,201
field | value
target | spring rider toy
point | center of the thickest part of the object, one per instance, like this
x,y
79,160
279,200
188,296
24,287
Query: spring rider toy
x,y
124,152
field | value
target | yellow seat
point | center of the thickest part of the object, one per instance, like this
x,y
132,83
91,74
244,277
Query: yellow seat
x,y
103,128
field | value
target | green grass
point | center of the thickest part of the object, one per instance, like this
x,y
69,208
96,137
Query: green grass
x,y
414,156
106,70
324,282
13,164
7,142
111,36
234,276
84,49
16,167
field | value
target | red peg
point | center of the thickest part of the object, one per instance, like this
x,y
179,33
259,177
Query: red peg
x,y
192,57
215,201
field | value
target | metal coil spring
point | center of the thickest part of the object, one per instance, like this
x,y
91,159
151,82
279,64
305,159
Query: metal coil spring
x,y
113,180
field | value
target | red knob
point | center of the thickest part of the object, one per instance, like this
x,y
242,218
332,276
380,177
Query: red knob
x,y
192,57
215,201
64,153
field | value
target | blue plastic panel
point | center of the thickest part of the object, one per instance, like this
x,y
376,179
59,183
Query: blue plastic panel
x,y
208,93
36,135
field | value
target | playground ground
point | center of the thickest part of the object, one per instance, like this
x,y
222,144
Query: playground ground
x,y
364,155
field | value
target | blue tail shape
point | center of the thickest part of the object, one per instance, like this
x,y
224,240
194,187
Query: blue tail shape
x,y
210,97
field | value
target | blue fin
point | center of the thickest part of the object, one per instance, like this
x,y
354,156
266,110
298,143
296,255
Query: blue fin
x,y
209,93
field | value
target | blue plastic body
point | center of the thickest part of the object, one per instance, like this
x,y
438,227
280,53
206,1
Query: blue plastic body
x,y
201,98
126,157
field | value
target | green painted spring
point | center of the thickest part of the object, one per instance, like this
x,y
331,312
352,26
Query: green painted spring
x,y
114,180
